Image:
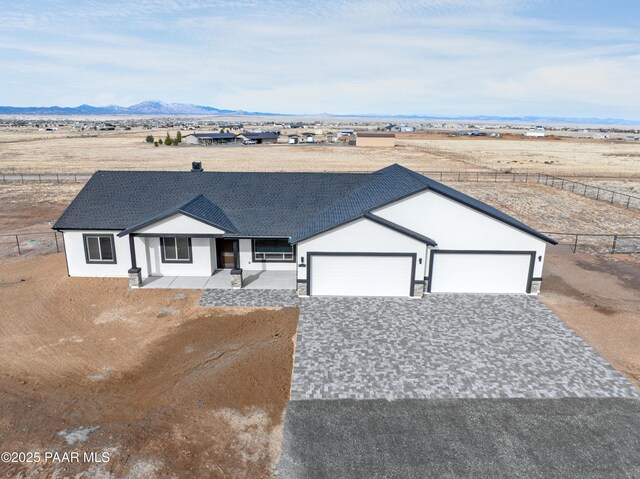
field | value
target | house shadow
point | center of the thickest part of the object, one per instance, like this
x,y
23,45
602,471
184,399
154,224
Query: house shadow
x,y
252,278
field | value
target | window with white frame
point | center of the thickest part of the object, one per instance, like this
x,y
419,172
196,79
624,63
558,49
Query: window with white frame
x,y
176,249
99,249
272,250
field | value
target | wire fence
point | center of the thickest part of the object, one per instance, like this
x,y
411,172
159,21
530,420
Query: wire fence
x,y
45,177
37,243
598,243
590,191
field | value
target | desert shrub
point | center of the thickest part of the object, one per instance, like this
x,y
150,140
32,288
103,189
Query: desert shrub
x,y
149,139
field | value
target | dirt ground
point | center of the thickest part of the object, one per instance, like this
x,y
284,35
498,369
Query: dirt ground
x,y
163,387
599,297
127,150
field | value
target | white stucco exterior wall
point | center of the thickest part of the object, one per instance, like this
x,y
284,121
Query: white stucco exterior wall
x,y
246,260
456,226
77,263
364,236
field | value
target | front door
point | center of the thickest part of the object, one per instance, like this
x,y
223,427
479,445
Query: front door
x,y
225,253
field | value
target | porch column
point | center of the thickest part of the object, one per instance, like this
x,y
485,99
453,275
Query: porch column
x,y
135,276
236,272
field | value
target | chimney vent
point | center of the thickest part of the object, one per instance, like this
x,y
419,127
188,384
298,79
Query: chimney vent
x,y
196,166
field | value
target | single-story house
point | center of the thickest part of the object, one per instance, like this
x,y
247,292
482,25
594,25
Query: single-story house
x,y
260,138
309,137
209,138
294,139
392,232
385,140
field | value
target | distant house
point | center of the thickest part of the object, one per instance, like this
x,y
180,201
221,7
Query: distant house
x,y
345,132
309,137
294,139
209,138
259,138
536,132
380,140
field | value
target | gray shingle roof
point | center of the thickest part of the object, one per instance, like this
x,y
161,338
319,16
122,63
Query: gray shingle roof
x,y
199,208
285,205
214,136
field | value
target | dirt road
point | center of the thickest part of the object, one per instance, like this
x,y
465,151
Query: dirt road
x,y
163,387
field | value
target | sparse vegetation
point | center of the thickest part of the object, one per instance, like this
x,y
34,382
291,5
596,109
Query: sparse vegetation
x,y
149,139
168,140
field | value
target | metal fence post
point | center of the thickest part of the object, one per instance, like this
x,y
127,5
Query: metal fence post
x,y
22,177
613,247
628,201
18,244
55,235
613,194
575,245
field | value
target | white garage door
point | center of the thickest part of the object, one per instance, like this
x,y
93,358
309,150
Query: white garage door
x,y
360,275
480,273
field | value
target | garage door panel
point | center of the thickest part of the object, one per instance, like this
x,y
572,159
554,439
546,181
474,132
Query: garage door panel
x,y
360,275
480,273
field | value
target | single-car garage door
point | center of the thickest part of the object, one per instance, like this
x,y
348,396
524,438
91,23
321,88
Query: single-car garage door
x,y
360,274
481,271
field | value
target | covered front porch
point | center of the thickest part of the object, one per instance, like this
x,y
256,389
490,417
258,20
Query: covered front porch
x,y
221,279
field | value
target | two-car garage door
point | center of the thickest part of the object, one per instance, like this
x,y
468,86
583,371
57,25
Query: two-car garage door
x,y
360,274
481,271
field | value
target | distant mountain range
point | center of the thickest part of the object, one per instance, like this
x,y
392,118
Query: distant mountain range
x,y
144,108
160,108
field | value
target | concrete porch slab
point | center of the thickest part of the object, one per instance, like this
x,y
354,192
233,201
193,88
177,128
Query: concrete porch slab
x,y
158,282
221,279
189,282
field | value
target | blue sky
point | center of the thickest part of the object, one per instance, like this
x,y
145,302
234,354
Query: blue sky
x,y
432,57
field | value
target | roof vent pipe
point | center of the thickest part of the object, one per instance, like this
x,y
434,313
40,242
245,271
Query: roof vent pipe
x,y
196,166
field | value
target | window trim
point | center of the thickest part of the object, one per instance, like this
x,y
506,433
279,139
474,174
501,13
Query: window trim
x,y
260,260
178,261
86,236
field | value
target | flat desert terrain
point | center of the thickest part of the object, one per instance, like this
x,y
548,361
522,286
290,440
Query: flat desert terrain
x,y
59,152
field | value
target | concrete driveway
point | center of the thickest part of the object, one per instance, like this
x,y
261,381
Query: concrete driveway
x,y
444,346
